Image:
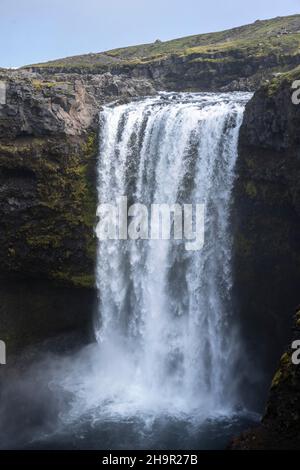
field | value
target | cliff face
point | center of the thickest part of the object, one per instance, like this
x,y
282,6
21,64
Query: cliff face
x,y
280,427
267,219
267,252
48,149
232,70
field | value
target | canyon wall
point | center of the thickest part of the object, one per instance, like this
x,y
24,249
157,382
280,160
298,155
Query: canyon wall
x,y
267,256
48,151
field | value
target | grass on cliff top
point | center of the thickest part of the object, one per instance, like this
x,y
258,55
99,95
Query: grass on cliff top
x,y
280,35
288,77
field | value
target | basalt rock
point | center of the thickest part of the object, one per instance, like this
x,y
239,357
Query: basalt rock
x,y
267,244
48,151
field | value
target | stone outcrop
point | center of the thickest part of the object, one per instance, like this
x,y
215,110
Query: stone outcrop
x,y
232,71
48,150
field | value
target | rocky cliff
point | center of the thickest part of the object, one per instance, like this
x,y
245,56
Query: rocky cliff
x,y
48,149
267,253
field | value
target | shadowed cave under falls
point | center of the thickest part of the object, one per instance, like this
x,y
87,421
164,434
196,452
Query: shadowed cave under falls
x,y
168,364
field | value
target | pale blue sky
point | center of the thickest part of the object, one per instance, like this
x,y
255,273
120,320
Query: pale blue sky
x,y
38,30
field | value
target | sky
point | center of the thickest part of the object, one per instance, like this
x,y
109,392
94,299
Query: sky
x,y
34,31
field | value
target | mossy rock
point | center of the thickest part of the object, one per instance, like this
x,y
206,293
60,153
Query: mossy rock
x,y
49,209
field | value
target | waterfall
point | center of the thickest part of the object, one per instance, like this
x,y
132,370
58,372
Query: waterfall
x,y
168,339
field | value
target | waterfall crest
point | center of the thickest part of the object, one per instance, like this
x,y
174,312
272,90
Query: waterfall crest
x,y
168,342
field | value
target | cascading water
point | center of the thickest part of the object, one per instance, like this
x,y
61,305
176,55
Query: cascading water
x,y
162,374
165,318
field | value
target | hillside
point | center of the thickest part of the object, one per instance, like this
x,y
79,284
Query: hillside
x,y
239,58
277,36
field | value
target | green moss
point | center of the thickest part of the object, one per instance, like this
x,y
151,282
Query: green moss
x,y
276,379
46,241
251,190
57,231
21,147
285,372
79,281
11,252
40,84
250,163
205,60
273,86
91,144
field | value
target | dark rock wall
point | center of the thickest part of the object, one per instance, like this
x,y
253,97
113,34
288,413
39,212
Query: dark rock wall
x,y
280,426
33,310
267,229
222,72
48,152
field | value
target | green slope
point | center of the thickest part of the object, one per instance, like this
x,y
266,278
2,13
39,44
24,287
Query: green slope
x,y
279,36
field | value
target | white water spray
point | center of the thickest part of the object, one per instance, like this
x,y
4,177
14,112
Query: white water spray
x,y
164,325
